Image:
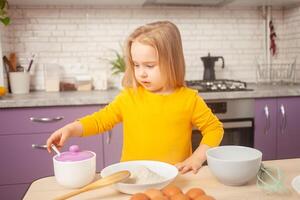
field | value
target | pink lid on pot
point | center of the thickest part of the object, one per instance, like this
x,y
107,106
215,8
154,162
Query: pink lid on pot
x,y
74,154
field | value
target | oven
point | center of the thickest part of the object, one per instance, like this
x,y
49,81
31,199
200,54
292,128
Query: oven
x,y
237,116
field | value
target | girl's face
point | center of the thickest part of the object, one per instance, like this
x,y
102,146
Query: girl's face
x,y
146,67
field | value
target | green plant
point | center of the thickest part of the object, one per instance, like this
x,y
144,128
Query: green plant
x,y
118,64
3,12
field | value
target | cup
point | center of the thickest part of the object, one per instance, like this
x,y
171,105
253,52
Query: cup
x,y
52,77
19,82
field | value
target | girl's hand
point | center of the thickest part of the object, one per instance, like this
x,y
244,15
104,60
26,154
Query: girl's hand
x,y
59,137
195,161
190,164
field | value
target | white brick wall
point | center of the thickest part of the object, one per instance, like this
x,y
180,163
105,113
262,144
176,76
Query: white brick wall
x,y
79,39
292,36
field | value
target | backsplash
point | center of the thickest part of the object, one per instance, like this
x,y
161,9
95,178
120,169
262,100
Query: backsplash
x,y
81,39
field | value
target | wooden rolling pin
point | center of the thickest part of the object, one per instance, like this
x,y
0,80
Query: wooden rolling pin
x,y
111,179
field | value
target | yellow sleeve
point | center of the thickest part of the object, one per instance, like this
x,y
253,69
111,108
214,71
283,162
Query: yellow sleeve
x,y
105,118
209,125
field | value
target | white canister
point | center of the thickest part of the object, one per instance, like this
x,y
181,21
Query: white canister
x,y
52,77
74,168
19,82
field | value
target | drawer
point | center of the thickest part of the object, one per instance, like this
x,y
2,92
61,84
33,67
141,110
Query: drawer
x,y
19,120
13,192
22,164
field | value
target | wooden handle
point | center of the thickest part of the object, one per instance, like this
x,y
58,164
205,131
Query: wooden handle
x,y
70,194
13,60
10,66
113,178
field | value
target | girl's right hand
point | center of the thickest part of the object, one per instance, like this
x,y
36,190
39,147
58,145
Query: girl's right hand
x,y
59,137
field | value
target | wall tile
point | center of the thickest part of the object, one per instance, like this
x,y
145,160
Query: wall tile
x,y
82,40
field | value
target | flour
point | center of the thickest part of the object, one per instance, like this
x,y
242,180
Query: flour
x,y
142,175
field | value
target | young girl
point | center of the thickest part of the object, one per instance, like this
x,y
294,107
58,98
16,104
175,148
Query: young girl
x,y
157,111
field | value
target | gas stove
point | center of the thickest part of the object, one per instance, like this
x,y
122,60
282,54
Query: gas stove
x,y
219,85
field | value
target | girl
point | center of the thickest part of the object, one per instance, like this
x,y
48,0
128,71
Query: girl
x,y
156,109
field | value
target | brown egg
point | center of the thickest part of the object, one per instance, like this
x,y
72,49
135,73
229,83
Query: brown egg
x,y
139,196
193,193
160,198
179,196
151,193
205,197
171,190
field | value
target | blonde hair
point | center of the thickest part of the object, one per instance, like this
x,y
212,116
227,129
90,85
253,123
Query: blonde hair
x,y
165,37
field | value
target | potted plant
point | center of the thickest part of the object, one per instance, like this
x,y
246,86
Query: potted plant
x,y
118,64
118,67
3,12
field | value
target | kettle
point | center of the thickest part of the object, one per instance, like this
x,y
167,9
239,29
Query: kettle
x,y
209,66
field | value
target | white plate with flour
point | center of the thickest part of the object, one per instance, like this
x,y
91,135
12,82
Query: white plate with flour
x,y
145,174
296,184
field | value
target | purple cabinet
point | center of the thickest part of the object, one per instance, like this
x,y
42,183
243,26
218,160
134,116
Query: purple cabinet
x,y
277,127
113,142
288,128
265,137
20,164
26,120
15,191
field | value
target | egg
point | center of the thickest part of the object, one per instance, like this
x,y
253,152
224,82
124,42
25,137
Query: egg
x,y
139,196
171,190
179,196
151,193
193,193
205,197
160,198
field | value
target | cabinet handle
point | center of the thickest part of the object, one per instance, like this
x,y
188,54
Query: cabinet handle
x,y
108,139
267,115
45,119
283,119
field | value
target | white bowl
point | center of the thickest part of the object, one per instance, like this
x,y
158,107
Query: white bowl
x,y
296,184
165,170
234,165
75,174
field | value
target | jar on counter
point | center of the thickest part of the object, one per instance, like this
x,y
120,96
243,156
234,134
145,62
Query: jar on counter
x,y
83,83
51,77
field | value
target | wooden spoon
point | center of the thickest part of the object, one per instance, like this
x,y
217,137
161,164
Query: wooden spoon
x,y
113,178
13,60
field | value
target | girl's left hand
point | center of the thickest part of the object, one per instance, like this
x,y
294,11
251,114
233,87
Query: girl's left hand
x,y
193,163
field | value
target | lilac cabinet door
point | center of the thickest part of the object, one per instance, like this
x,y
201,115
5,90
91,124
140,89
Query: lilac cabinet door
x,y
288,128
265,127
13,192
22,164
113,142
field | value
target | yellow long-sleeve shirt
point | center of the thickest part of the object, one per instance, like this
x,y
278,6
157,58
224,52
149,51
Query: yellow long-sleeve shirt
x,y
157,127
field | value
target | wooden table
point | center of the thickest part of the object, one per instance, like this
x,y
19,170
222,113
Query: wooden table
x,y
47,188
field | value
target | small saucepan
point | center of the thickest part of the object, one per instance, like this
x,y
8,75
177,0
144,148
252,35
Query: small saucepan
x,y
73,168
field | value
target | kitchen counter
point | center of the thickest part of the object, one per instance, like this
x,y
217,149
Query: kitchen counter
x,y
41,98
47,188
